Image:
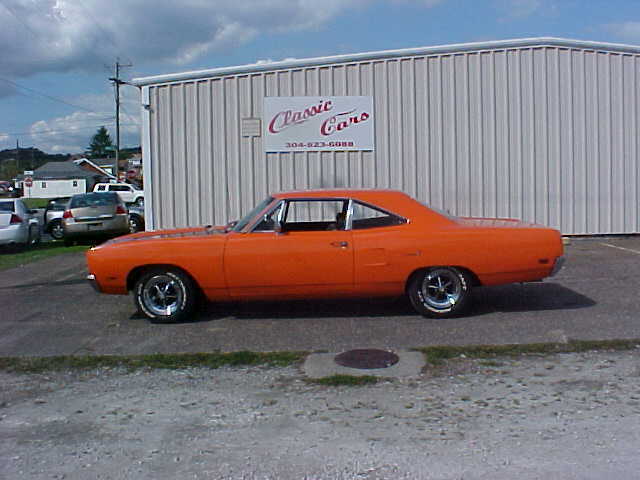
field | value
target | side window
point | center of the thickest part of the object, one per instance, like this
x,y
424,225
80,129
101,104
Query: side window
x,y
43,184
365,216
315,215
267,224
101,188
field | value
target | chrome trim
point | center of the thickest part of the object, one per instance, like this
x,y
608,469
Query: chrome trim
x,y
348,221
380,209
91,278
251,226
557,266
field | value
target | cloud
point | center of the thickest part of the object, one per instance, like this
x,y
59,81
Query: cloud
x,y
72,133
7,89
82,35
627,31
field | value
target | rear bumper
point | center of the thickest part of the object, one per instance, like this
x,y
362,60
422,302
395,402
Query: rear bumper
x,y
14,234
111,227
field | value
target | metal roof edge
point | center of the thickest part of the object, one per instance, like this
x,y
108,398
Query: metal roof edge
x,y
358,57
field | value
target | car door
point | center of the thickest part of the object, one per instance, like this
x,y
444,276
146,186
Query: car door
x,y
385,250
311,257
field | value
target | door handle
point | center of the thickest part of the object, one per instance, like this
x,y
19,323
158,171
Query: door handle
x,y
340,244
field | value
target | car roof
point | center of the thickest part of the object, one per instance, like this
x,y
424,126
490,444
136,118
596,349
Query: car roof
x,y
393,201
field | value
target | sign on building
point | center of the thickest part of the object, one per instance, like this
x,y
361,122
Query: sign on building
x,y
301,124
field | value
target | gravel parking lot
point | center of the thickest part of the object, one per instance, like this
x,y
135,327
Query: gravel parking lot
x,y
568,416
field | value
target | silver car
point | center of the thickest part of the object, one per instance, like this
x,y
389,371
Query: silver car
x,y
53,217
18,224
90,215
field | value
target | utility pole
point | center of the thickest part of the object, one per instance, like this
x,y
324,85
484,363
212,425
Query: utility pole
x,y
117,82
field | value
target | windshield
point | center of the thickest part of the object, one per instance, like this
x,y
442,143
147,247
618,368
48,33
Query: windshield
x,y
93,200
7,207
249,216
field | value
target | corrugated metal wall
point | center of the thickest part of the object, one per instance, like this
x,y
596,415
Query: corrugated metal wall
x,y
544,134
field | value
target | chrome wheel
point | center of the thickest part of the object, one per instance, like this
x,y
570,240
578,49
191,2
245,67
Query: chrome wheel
x,y
134,225
57,231
441,289
440,292
163,295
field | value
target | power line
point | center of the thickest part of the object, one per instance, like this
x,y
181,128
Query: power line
x,y
17,17
62,130
50,97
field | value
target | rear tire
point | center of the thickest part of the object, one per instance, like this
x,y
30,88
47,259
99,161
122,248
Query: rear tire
x,y
165,295
135,224
440,292
56,231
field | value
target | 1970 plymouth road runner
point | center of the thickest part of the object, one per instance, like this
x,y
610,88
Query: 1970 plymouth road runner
x,y
326,244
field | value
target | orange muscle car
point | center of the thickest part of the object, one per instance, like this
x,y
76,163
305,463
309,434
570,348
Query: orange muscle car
x,y
326,244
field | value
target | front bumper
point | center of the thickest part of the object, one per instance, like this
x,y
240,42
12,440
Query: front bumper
x,y
91,278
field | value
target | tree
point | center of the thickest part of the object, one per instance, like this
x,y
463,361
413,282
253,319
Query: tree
x,y
101,144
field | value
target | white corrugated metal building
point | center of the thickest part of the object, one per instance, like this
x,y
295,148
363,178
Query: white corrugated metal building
x,y
541,129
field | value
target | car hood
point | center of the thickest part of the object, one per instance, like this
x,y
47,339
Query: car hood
x,y
168,234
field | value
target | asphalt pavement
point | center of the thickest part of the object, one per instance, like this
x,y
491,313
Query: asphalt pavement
x,y
47,308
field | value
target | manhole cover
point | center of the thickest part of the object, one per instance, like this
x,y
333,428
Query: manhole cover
x,y
366,358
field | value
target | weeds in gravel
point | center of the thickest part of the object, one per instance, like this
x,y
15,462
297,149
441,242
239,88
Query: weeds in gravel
x,y
349,380
438,355
167,361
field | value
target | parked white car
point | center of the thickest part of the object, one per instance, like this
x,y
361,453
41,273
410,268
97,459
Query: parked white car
x,y
18,224
125,191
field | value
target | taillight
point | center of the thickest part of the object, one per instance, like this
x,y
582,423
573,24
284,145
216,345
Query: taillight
x,y
67,214
120,210
15,219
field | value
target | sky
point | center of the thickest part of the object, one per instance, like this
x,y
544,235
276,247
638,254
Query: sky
x,y
57,55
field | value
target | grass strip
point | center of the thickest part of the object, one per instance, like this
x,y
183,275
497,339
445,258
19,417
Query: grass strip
x,y
36,202
348,380
438,354
133,362
11,259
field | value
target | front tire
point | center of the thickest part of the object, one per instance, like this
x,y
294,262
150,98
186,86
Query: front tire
x,y
165,295
440,292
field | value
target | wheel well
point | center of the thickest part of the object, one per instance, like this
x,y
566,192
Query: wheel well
x,y
475,282
52,223
137,272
